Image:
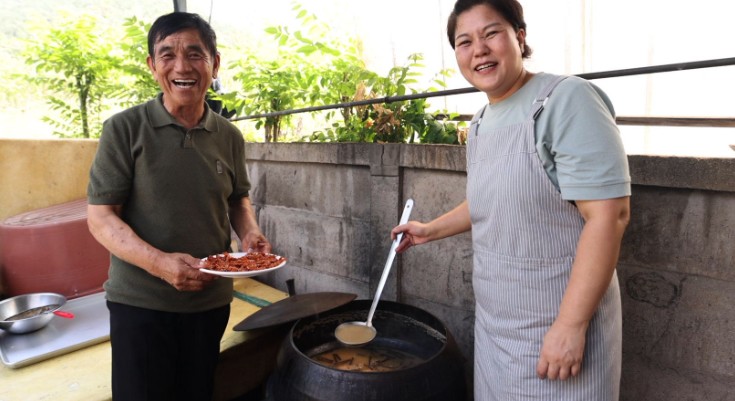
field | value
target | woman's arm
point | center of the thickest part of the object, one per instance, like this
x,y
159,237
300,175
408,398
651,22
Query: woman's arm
x,y
594,264
451,223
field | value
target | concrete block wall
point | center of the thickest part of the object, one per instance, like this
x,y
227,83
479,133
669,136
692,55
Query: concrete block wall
x,y
329,208
313,213
677,275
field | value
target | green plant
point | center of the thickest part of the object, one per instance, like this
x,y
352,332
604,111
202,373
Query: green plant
x,y
409,121
137,82
308,68
88,74
269,86
399,121
76,64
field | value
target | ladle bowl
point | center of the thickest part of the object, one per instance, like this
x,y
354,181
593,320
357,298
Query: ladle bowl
x,y
355,333
360,333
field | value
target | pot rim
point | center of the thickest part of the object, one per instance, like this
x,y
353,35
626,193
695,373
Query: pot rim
x,y
436,354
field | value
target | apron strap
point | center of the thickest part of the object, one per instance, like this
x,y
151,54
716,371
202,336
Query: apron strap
x,y
538,105
476,120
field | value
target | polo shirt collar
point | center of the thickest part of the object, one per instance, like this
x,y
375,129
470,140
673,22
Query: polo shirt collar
x,y
160,117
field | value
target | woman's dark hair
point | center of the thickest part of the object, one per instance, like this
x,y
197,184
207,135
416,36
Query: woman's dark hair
x,y
169,24
511,10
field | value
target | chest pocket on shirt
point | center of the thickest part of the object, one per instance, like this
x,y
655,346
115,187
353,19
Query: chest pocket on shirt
x,y
499,143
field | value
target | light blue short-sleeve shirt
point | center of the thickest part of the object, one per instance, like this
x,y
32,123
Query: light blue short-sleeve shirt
x,y
577,139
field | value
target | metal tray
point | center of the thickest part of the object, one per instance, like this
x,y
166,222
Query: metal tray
x,y
90,325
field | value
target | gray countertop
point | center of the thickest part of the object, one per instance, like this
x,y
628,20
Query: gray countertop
x,y
90,325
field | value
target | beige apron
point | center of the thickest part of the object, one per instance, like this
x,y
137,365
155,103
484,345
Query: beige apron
x,y
524,241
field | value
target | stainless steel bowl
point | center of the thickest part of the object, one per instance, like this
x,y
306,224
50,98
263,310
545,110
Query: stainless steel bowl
x,y
22,303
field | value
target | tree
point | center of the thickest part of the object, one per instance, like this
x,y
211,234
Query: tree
x,y
308,68
312,67
137,82
270,86
76,63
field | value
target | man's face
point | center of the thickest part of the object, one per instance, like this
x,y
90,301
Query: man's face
x,y
183,68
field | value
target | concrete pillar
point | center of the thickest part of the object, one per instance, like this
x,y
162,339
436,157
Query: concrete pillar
x,y
385,210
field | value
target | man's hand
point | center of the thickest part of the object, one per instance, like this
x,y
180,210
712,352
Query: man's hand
x,y
182,272
256,241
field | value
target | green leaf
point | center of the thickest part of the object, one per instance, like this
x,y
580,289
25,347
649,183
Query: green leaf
x,y
308,49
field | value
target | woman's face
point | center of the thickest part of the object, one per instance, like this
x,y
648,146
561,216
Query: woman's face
x,y
488,52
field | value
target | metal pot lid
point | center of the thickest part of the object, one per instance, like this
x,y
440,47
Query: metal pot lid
x,y
294,308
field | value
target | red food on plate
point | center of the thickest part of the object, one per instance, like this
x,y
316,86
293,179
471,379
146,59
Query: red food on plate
x,y
248,262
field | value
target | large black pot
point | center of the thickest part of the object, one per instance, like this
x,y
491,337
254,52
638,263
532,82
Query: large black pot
x,y
400,327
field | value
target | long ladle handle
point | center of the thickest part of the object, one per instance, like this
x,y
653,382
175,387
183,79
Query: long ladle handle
x,y
391,256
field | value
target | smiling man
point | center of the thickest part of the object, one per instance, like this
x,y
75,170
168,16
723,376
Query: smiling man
x,y
167,185
184,66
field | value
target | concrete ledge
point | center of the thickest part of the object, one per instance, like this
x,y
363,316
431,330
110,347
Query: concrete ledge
x,y
435,157
683,172
384,159
325,153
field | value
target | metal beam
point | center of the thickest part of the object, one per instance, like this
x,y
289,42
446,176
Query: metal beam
x,y
180,5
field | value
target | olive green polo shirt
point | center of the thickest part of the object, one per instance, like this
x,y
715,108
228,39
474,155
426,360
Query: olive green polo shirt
x,y
174,186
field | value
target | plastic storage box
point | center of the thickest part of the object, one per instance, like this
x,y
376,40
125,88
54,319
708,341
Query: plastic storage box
x,y
52,250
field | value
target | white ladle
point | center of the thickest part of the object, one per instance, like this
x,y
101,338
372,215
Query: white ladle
x,y
359,333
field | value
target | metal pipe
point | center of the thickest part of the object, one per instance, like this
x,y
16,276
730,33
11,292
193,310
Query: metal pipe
x,y
180,6
677,121
592,75
660,68
709,122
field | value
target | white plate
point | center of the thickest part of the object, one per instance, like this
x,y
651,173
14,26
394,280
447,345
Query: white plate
x,y
248,273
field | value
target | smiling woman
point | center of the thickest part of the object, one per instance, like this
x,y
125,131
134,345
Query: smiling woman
x,y
548,145
490,51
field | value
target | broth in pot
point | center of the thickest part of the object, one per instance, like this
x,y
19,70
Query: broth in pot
x,y
367,359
